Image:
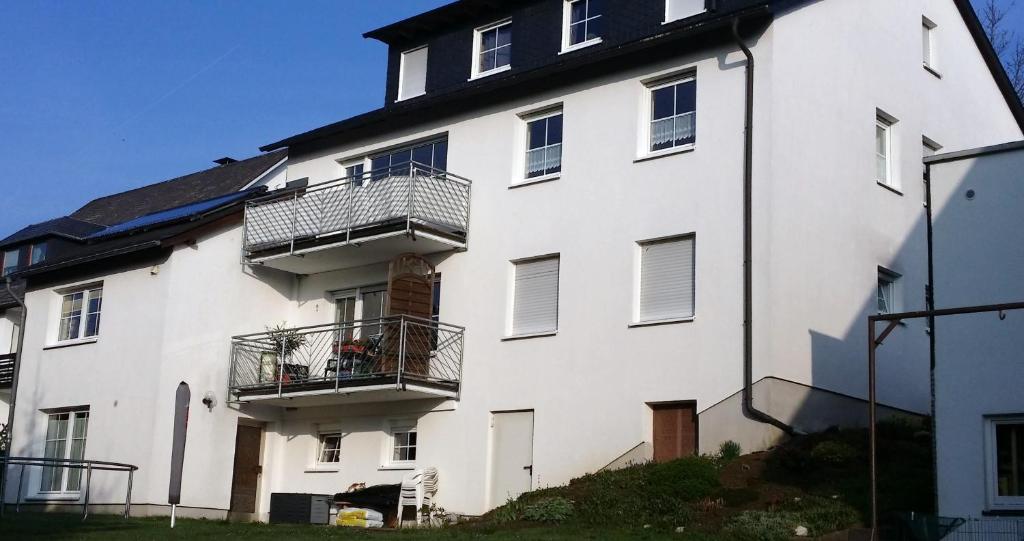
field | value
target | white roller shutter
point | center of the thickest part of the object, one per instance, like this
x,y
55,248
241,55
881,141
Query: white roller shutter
x,y
680,9
414,74
666,279
535,308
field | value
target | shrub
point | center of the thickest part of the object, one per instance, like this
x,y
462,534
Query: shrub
x,y
687,479
729,451
823,515
791,459
553,509
833,453
762,526
510,512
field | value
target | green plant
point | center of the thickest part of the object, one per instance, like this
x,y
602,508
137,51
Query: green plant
x,y
833,453
791,460
510,512
729,451
823,515
762,526
553,509
285,340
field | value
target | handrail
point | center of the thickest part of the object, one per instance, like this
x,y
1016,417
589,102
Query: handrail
x,y
88,465
355,323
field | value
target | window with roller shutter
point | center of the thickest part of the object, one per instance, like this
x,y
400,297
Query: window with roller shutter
x,y
666,279
535,297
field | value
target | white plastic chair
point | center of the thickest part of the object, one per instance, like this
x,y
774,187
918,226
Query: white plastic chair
x,y
418,489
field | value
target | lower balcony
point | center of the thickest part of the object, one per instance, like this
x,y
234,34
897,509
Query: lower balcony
x,y
392,358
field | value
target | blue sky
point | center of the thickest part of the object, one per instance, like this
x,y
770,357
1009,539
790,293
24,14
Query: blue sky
x,y
98,97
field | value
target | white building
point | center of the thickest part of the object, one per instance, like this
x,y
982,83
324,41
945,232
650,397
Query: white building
x,y
585,253
976,198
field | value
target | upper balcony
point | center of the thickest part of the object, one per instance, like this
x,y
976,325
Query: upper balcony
x,y
391,358
354,221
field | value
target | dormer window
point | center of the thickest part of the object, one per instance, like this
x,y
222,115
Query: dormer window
x,y
412,78
681,9
38,253
10,261
493,47
583,24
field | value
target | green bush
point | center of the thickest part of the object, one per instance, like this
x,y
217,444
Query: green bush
x,y
729,451
762,526
510,512
553,509
834,453
791,460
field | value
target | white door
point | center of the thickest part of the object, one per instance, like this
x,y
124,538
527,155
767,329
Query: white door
x,y
511,455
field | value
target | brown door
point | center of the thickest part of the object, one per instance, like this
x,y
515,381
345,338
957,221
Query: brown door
x,y
675,431
245,482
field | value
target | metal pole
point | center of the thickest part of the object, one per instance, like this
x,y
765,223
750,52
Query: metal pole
x,y
12,404
88,483
295,210
401,353
348,219
872,436
337,356
173,509
412,192
280,367
128,497
17,498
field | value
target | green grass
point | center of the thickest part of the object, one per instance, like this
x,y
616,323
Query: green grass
x,y
55,526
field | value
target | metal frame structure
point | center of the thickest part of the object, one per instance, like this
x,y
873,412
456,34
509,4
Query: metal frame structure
x,y
411,199
88,465
876,340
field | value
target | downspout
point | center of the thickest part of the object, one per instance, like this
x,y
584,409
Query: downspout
x,y
929,302
14,389
748,283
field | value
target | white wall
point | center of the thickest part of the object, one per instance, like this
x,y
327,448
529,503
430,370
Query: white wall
x,y
979,366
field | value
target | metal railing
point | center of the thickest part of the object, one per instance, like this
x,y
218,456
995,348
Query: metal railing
x,y
7,370
61,464
988,529
394,200
389,351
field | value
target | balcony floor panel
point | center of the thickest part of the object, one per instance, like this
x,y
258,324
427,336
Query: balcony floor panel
x,y
365,390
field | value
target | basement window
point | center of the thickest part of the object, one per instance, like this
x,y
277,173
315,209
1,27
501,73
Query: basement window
x,y
412,76
329,448
887,291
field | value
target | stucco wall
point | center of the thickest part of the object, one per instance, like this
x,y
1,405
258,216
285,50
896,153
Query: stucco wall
x,y
978,357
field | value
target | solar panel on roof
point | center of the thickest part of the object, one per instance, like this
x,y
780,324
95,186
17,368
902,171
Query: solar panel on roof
x,y
172,214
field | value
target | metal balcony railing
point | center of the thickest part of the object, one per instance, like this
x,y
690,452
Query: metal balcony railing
x,y
396,352
397,200
7,370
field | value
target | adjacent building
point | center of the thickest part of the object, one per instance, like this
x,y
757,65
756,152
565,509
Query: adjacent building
x,y
531,263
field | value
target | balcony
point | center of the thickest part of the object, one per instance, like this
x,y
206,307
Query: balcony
x,y
7,371
354,221
392,358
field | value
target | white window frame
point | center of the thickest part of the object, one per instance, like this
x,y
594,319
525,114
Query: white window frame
x,y
638,249
510,332
669,20
392,429
357,293
321,437
993,500
401,73
478,42
521,177
929,59
68,441
893,280
888,125
88,292
566,31
647,114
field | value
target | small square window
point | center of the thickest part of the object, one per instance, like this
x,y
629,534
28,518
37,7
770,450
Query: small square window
x,y
403,445
673,115
493,48
1005,449
583,24
544,145
888,292
329,448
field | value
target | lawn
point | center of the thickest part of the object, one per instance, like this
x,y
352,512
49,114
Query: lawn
x,y
106,527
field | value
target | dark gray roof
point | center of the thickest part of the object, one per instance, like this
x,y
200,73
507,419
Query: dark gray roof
x,y
208,184
6,301
64,227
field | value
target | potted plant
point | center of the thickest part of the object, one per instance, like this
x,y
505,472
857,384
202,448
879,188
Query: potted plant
x,y
285,341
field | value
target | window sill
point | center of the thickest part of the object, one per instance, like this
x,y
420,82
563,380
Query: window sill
x,y
535,180
321,469
1008,511
581,45
888,187
656,322
528,335
666,152
72,343
931,70
490,72
64,497
407,98
397,467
